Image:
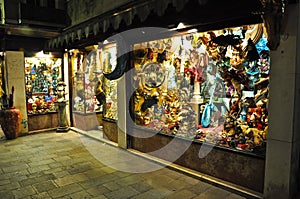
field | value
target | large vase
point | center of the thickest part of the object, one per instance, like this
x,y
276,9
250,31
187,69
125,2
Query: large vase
x,y
10,122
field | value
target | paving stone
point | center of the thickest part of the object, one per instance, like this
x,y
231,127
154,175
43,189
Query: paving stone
x,y
6,194
62,158
108,169
173,174
153,193
10,186
79,168
200,187
70,179
15,168
23,192
234,196
121,174
80,195
40,163
31,181
181,194
147,195
100,197
213,193
94,173
98,181
128,180
126,192
43,195
112,186
65,190
159,181
53,170
96,191
18,178
61,174
141,187
38,168
189,180
4,182
45,186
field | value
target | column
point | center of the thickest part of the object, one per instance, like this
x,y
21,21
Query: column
x,y
283,144
122,112
15,75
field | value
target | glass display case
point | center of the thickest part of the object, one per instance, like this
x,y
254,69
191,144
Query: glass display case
x,y
87,88
108,61
41,77
207,87
86,79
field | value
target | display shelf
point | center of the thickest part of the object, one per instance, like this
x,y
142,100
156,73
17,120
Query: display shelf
x,y
41,78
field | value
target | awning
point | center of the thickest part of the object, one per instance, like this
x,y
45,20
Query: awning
x,y
204,14
101,23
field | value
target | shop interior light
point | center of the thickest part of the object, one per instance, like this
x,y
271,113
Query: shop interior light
x,y
41,54
181,26
194,30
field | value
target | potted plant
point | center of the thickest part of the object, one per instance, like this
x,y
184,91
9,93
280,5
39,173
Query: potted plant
x,y
10,117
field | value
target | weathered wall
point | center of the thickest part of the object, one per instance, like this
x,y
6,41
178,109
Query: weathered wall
x,y
82,10
15,74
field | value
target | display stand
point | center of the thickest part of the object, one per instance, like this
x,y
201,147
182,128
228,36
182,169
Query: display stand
x,y
86,112
61,105
63,125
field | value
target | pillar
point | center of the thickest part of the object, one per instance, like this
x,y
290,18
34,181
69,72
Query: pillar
x,y
122,112
15,74
283,144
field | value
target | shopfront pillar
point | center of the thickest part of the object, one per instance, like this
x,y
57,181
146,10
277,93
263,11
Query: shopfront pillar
x,y
283,145
15,78
122,112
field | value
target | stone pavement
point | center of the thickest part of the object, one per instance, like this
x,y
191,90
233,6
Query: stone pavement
x,y
72,165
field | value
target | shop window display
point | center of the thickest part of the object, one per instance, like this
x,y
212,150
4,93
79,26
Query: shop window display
x,y
108,61
41,78
86,81
209,87
92,91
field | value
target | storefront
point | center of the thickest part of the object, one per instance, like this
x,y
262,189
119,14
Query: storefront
x,y
42,74
206,89
94,97
199,96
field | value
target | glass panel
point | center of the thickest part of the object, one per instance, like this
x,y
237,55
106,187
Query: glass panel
x,y
210,87
108,59
41,78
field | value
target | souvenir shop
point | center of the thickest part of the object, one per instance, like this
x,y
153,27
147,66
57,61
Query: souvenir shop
x,y
187,91
42,74
200,90
194,95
